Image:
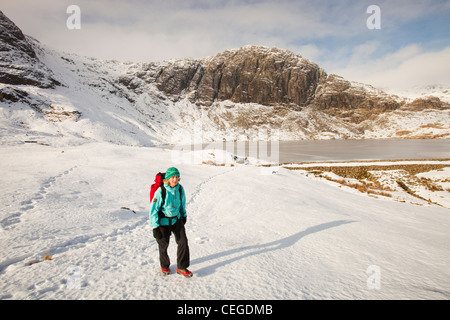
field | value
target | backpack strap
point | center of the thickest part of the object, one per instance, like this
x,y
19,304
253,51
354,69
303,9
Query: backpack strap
x,y
163,196
181,192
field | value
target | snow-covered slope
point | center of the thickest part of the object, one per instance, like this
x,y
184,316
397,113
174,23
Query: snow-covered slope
x,y
93,105
86,92
77,161
250,93
440,91
252,236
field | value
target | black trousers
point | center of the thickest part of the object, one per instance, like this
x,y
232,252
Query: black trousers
x,y
183,259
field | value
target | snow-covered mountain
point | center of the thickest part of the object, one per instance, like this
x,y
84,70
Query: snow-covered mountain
x,y
74,219
250,93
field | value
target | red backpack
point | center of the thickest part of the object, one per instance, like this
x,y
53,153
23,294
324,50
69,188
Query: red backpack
x,y
159,182
159,178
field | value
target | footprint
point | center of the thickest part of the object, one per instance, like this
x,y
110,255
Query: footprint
x,y
201,240
27,205
26,202
12,219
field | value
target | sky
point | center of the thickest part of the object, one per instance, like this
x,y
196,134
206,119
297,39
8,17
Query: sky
x,y
410,45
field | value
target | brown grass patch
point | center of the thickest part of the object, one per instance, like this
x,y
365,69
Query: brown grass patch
x,y
368,183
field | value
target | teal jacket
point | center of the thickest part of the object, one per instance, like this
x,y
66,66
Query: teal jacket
x,y
173,206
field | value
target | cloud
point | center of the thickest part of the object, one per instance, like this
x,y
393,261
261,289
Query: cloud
x,y
422,69
363,52
331,33
180,29
406,68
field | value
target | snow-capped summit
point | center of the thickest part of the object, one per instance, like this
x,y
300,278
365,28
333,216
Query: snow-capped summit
x,y
233,95
74,220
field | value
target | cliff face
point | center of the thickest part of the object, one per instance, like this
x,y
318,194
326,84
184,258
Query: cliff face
x,y
351,102
19,64
265,76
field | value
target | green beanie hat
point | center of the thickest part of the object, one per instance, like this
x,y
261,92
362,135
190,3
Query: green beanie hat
x,y
172,171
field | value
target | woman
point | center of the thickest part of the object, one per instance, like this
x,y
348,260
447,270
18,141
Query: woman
x,y
167,215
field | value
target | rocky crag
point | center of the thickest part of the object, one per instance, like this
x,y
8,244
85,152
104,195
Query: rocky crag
x,y
270,77
265,76
19,64
233,93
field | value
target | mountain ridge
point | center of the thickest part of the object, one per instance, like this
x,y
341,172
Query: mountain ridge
x,y
262,75
234,95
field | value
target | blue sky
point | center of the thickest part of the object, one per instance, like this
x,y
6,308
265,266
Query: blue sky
x,y
411,48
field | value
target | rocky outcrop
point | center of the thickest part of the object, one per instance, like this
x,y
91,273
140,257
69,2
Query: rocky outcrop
x,y
420,104
269,77
351,102
19,64
251,74
11,37
237,94
266,76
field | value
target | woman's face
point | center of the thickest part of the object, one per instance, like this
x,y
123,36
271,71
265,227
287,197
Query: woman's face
x,y
173,181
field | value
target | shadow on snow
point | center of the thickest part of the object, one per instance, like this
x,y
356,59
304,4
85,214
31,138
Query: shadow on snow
x,y
261,248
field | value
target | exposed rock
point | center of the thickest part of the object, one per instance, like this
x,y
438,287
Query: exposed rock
x,y
266,76
248,93
11,37
426,103
19,64
251,74
351,102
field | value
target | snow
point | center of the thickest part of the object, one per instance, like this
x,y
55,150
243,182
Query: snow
x,y
75,199
426,188
140,115
252,235
441,178
442,91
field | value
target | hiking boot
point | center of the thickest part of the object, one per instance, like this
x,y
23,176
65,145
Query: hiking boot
x,y
165,271
184,272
